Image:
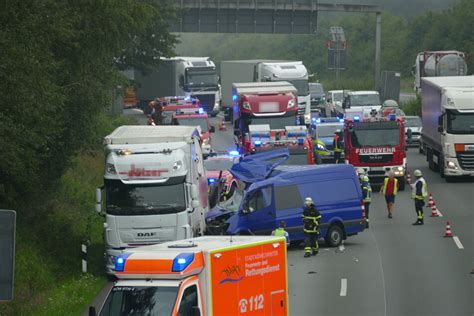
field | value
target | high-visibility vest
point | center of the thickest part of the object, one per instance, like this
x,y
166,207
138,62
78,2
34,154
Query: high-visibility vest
x,y
395,185
424,190
368,196
337,142
281,232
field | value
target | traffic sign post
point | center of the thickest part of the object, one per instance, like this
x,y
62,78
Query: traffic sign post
x,y
337,51
7,253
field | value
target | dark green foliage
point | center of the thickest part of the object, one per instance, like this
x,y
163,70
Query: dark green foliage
x,y
413,107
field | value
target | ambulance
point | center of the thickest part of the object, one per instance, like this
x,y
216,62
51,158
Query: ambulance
x,y
210,275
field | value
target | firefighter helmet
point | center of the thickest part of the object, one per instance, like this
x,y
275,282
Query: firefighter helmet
x,y
417,173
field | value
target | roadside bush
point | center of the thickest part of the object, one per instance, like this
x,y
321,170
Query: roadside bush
x,y
413,107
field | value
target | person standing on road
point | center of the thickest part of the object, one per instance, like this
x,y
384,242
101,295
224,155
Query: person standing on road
x,y
389,189
419,190
337,146
360,174
367,197
311,219
281,232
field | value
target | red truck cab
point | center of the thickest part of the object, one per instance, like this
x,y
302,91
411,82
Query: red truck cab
x,y
377,145
257,103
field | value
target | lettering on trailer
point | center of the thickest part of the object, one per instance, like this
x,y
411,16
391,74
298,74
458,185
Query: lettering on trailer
x,y
142,172
371,151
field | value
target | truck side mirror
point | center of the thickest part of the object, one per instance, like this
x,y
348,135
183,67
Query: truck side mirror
x,y
440,124
92,311
98,200
212,129
195,204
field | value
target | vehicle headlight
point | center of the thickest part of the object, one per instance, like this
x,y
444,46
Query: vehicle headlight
x,y
291,103
398,171
307,116
323,98
246,105
320,147
110,168
451,165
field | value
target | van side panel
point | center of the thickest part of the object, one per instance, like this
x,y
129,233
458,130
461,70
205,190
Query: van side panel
x,y
249,280
338,198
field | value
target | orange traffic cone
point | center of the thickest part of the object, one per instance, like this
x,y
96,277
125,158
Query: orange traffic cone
x,y
448,232
430,201
222,126
434,211
408,178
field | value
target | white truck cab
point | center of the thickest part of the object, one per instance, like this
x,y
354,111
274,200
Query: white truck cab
x,y
155,187
295,73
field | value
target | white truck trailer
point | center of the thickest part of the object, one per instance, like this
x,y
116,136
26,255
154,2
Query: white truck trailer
x,y
240,71
155,187
448,125
182,76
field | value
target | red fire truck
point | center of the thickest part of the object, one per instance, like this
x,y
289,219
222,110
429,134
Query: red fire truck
x,y
295,138
257,103
376,144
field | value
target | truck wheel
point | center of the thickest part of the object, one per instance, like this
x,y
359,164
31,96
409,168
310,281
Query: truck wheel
x,y
441,168
334,236
420,149
429,158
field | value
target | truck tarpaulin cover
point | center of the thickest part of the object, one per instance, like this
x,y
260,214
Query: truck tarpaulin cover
x,y
257,167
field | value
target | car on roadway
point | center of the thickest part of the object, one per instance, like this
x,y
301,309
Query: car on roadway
x,y
317,97
334,99
413,129
323,132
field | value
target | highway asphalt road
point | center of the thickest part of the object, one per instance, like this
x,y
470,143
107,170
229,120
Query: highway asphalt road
x,y
392,268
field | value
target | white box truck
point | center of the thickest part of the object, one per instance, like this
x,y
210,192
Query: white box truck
x,y
182,76
448,125
155,187
212,275
241,71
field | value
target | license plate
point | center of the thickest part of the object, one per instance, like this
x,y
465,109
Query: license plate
x,y
268,106
469,147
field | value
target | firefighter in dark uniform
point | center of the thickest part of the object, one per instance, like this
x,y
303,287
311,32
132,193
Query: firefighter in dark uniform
x,y
337,146
367,195
311,218
419,193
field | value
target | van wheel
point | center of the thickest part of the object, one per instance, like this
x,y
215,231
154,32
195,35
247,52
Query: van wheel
x,y
334,236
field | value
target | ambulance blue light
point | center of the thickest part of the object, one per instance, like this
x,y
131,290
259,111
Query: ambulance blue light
x,y
318,120
120,262
393,117
341,120
314,119
234,153
182,261
257,143
211,180
300,141
187,98
201,111
356,118
234,97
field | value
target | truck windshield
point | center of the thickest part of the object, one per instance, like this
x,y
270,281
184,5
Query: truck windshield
x,y
275,122
460,123
375,137
150,199
198,78
194,121
140,300
364,99
301,85
316,88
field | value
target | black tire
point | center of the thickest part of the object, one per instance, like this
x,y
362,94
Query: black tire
x,y
441,168
429,158
334,236
420,149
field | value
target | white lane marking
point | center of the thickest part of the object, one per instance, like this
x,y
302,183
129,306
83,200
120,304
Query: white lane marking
x,y
343,287
458,242
383,275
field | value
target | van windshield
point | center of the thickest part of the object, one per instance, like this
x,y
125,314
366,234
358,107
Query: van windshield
x,y
364,99
140,300
141,199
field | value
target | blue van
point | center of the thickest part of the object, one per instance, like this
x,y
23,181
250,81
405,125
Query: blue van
x,y
275,193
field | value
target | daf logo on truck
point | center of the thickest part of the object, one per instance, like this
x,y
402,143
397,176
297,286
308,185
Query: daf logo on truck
x,y
146,235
